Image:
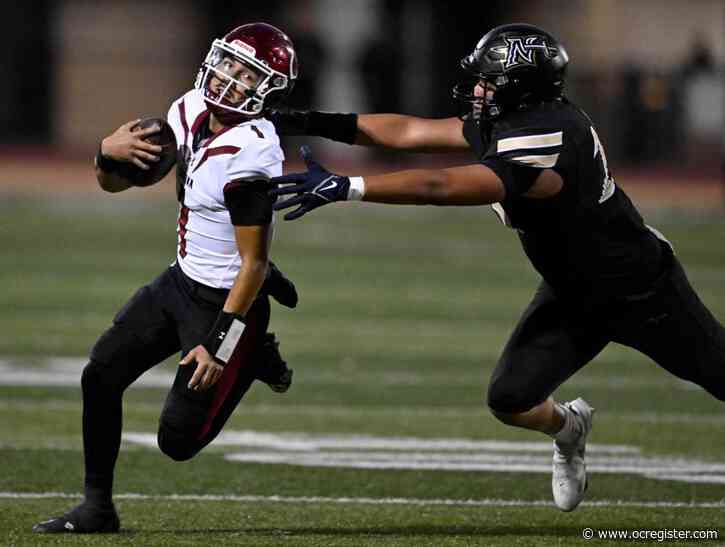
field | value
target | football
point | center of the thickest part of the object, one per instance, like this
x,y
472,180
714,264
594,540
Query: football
x,y
157,170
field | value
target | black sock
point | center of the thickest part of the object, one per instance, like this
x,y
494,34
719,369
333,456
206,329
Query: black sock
x,y
102,417
99,497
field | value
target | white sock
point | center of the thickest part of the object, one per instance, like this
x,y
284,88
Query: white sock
x,y
570,431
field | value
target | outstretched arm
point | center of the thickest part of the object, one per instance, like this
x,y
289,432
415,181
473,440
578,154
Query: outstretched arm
x,y
466,185
395,131
475,184
410,133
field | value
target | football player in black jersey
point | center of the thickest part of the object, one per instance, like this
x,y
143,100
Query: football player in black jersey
x,y
607,276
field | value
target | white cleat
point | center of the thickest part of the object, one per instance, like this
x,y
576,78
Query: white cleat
x,y
569,478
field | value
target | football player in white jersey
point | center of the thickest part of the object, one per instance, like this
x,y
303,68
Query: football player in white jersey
x,y
211,303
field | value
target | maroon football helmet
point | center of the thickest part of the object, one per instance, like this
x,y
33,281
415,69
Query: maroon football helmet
x,y
253,67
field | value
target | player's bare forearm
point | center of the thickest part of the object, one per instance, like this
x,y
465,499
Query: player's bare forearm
x,y
410,133
474,184
253,244
246,286
468,185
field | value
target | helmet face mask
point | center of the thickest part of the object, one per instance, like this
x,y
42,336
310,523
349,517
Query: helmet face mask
x,y
524,63
248,70
478,96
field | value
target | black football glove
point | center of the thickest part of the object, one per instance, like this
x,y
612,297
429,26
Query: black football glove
x,y
315,188
279,287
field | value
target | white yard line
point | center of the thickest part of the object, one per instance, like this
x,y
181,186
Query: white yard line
x,y
441,454
311,442
486,502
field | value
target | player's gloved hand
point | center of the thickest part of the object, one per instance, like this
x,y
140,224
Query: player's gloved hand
x,y
315,188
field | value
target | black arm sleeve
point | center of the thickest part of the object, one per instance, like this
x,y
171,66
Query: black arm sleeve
x,y
248,202
517,179
333,126
329,125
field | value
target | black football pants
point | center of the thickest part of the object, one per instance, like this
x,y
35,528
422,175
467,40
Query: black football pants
x,y
172,313
556,337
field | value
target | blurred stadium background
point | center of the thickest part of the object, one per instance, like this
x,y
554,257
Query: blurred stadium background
x,y
403,311
649,72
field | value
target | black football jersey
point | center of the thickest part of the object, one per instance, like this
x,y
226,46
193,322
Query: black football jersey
x,y
588,239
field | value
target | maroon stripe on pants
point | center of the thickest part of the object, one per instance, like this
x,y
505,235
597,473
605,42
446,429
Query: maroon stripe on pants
x,y
183,221
240,361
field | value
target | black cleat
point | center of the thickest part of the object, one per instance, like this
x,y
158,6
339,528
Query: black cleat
x,y
271,368
83,519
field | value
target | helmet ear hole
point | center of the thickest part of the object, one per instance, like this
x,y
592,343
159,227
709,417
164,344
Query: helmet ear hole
x,y
560,61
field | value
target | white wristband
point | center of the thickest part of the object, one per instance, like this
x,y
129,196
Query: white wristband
x,y
357,189
230,340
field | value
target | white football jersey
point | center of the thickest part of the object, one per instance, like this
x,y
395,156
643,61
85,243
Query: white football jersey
x,y
207,249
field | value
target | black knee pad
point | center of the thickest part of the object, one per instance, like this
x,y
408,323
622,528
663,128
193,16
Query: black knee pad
x,y
108,369
99,378
506,397
714,384
181,421
497,399
177,446
90,377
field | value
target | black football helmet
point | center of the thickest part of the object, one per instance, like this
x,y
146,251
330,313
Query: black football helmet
x,y
520,65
